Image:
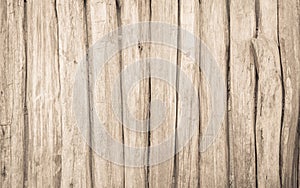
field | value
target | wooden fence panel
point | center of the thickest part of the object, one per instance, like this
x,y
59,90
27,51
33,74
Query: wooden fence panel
x,y
255,43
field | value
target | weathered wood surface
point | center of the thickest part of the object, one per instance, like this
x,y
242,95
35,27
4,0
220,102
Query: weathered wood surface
x,y
256,44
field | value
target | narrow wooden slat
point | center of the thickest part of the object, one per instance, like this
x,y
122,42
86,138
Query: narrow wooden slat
x,y
269,108
289,40
5,111
102,20
43,96
161,175
269,95
242,94
214,33
187,170
131,12
12,92
72,40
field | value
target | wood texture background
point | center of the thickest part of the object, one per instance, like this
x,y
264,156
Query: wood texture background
x,y
255,42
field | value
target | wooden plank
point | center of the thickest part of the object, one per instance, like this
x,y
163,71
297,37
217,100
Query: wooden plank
x,y
214,33
269,108
289,40
269,95
72,41
131,12
12,91
161,175
5,111
242,93
187,169
43,96
102,20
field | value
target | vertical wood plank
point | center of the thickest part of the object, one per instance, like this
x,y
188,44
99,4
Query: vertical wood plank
x,y
187,170
103,19
132,11
72,40
289,40
269,108
12,92
161,175
5,111
43,96
269,95
214,33
242,94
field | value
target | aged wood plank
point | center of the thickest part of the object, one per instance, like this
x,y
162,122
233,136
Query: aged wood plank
x,y
187,169
131,12
269,95
103,19
269,108
72,41
161,175
214,33
289,40
5,100
43,96
12,91
242,93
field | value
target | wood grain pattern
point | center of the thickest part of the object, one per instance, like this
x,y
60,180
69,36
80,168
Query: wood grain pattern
x,y
242,94
12,92
256,44
289,40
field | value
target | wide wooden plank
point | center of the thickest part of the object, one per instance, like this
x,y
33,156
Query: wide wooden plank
x,y
72,41
43,96
214,32
289,40
241,110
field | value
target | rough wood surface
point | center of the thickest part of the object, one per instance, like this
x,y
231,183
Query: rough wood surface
x,y
256,44
162,175
242,90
